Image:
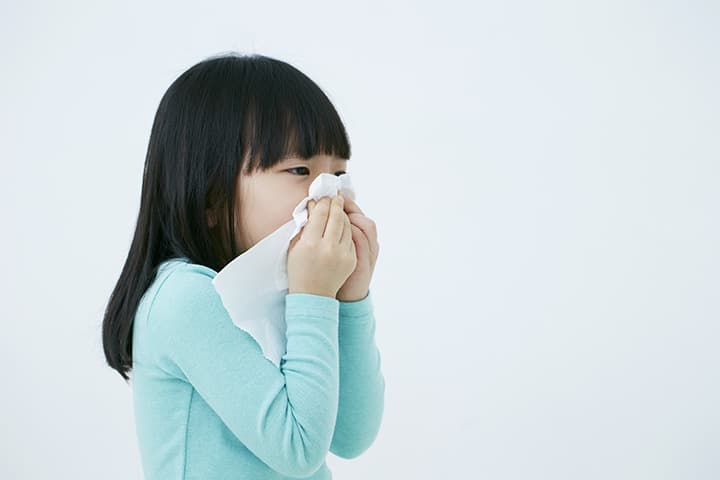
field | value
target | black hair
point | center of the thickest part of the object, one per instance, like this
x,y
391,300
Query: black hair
x,y
227,114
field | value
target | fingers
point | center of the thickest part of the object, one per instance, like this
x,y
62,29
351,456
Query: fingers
x,y
353,248
350,205
327,218
360,238
350,239
358,217
366,224
293,241
335,221
346,238
317,217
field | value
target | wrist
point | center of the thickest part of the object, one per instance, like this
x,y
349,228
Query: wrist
x,y
309,291
353,297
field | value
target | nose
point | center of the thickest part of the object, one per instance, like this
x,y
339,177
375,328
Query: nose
x,y
332,170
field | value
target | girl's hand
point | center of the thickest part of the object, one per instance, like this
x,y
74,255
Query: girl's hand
x,y
364,235
322,255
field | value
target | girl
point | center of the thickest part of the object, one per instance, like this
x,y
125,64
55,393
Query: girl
x,y
235,144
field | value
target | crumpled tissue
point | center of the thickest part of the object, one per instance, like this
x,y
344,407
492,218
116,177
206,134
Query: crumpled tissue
x,y
254,284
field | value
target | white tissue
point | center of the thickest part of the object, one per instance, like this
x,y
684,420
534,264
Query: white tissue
x,y
254,284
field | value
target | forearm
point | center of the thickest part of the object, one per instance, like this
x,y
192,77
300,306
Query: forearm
x,y
362,385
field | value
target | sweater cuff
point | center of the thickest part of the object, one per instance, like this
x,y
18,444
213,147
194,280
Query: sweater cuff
x,y
357,320
359,311
310,305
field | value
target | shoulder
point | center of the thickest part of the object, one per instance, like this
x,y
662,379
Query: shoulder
x,y
188,325
185,281
184,297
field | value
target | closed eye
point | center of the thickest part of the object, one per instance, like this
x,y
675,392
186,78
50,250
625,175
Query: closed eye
x,y
338,173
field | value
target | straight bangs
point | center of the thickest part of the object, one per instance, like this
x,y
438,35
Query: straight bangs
x,y
288,115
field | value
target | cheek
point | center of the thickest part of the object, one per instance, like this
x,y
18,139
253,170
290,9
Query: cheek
x,y
285,207
279,209
268,206
270,213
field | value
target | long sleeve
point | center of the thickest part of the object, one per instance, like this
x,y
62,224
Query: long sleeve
x,y
285,416
362,385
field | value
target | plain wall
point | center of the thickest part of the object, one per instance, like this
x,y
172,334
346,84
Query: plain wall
x,y
545,180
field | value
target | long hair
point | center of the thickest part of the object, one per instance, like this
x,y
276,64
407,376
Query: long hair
x,y
227,114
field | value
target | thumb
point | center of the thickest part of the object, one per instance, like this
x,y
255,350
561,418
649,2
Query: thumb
x,y
294,240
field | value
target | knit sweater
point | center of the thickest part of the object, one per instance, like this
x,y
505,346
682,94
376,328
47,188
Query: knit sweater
x,y
208,405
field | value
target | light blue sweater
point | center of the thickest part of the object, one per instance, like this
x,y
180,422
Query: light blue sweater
x,y
208,405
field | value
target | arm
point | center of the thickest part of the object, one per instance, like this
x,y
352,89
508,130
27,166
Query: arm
x,y
284,416
362,385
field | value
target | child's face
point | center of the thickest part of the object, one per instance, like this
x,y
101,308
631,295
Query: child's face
x,y
266,199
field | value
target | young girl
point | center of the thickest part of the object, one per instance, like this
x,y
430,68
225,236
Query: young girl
x,y
235,144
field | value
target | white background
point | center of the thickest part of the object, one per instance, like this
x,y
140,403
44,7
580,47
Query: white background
x,y
545,179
